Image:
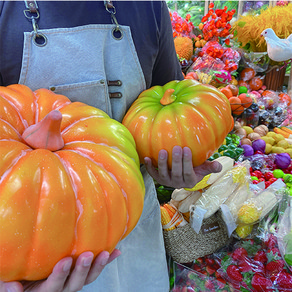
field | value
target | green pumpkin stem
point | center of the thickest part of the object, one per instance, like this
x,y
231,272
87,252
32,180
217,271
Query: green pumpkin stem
x,y
46,134
168,97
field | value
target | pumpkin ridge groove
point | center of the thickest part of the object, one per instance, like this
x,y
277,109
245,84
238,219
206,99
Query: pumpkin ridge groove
x,y
62,161
100,166
13,163
116,156
23,121
13,128
65,130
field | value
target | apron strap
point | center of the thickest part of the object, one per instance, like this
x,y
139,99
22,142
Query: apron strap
x,y
32,14
109,5
117,32
32,6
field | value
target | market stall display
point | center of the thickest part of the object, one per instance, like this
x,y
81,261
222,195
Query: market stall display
x,y
232,231
252,194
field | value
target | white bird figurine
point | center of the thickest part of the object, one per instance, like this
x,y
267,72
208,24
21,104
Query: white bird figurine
x,y
279,50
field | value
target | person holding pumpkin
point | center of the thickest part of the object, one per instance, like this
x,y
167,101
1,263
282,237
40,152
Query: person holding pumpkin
x,y
103,54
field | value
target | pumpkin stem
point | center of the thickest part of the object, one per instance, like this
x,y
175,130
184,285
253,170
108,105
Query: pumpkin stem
x,y
168,97
46,134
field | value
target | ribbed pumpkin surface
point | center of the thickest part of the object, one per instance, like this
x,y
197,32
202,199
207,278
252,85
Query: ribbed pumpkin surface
x,y
184,113
86,196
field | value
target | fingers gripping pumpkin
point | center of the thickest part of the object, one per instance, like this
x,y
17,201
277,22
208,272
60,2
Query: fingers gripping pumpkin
x,y
69,184
184,113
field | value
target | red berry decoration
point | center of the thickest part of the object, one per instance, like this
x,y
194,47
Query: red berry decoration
x,y
234,273
217,23
245,266
239,254
268,175
261,256
284,280
181,27
258,174
267,184
270,241
261,283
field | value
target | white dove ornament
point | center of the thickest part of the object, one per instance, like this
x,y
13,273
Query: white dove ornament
x,y
279,50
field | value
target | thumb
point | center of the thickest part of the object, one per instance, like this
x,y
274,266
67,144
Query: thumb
x,y
12,287
208,167
215,166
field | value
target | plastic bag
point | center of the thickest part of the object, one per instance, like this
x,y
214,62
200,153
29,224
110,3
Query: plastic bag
x,y
218,193
206,64
232,205
199,276
285,233
253,264
259,61
231,58
256,264
258,206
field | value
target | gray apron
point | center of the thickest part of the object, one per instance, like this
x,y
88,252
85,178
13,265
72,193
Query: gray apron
x,y
92,65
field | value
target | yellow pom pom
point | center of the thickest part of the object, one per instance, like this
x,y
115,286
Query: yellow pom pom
x,y
244,230
248,214
184,47
239,174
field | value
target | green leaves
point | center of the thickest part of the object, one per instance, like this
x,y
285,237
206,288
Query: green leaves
x,y
163,193
241,23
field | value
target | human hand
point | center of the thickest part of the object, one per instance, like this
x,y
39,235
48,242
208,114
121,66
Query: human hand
x,y
182,174
86,270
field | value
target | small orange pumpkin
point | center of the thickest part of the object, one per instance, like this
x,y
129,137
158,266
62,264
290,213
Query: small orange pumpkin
x,y
69,184
183,113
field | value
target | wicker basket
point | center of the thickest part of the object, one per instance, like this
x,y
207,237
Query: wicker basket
x,y
274,78
184,245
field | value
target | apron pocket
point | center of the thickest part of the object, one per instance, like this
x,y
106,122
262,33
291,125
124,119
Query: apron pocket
x,y
93,93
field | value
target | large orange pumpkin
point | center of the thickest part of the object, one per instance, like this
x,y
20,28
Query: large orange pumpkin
x,y
184,113
84,195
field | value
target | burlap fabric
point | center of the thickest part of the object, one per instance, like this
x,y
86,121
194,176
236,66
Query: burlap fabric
x,y
184,245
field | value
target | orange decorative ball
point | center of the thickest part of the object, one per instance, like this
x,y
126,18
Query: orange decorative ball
x,y
245,99
255,83
243,83
285,98
233,88
227,92
70,181
236,105
247,74
184,47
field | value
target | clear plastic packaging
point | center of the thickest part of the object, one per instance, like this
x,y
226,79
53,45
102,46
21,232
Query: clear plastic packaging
x,y
285,233
259,61
215,195
251,264
258,206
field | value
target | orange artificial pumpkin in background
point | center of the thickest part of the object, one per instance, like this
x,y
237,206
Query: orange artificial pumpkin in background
x,y
184,113
69,184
